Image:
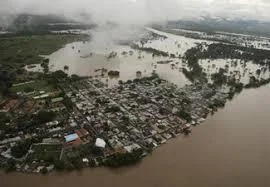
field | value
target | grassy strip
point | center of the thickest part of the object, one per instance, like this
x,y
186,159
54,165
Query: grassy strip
x,y
39,85
45,152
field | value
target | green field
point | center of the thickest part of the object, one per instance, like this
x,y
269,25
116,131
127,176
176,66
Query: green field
x,y
46,152
21,50
39,85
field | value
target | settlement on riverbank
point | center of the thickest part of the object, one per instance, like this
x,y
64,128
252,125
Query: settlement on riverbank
x,y
233,142
106,126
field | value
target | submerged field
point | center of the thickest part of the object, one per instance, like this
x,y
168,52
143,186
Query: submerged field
x,y
162,53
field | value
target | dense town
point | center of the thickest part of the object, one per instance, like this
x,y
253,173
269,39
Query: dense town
x,y
84,123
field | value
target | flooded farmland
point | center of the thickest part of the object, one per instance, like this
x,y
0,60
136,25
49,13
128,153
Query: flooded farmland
x,y
87,58
92,58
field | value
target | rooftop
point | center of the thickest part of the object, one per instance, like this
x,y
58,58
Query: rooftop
x,y
71,137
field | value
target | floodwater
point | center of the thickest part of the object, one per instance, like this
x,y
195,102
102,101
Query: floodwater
x,y
88,58
241,70
231,149
174,44
85,58
84,64
258,42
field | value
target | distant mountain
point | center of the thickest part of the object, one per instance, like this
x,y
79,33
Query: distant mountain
x,y
209,24
41,23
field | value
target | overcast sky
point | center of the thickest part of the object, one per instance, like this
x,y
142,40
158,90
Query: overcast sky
x,y
138,11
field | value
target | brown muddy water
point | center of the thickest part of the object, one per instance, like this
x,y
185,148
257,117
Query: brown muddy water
x,y
231,149
88,58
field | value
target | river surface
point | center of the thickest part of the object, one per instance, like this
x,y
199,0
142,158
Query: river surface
x,y
231,149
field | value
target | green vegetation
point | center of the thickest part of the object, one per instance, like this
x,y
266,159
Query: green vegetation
x,y
219,78
114,73
73,158
237,86
46,152
39,85
44,117
59,75
44,171
59,165
193,75
113,109
29,122
255,83
150,50
184,115
67,102
217,104
4,118
225,51
21,148
10,165
6,80
192,57
20,50
125,159
153,78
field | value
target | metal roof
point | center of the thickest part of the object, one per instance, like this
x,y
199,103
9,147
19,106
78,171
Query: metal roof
x,y
71,137
100,143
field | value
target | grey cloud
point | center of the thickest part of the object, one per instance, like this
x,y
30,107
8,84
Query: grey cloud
x,y
141,11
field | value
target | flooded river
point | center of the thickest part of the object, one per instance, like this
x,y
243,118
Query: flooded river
x,y
231,149
89,58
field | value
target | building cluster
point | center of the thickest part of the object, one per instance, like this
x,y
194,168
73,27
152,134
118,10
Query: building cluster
x,y
140,114
143,113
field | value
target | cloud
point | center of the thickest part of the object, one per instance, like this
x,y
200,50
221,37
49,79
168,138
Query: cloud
x,y
141,11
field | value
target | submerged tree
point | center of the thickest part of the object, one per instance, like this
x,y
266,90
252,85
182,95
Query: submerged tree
x,y
66,67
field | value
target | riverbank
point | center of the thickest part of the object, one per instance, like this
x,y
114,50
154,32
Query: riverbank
x,y
229,149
